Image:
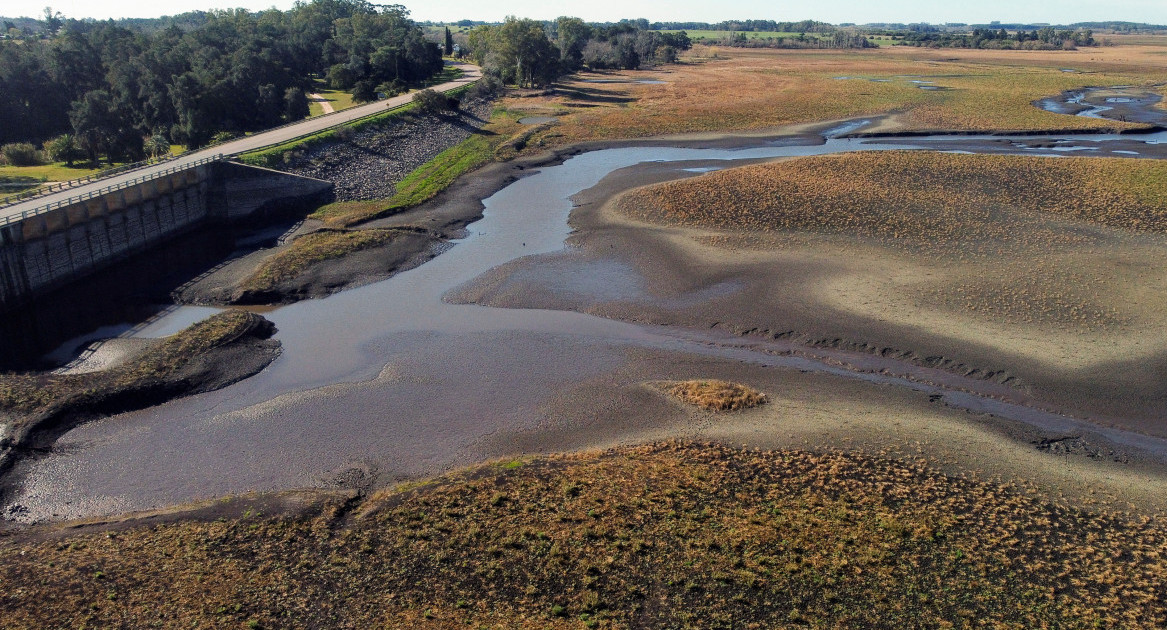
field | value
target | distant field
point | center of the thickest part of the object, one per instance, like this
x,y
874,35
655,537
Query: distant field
x,y
441,30
882,40
1135,40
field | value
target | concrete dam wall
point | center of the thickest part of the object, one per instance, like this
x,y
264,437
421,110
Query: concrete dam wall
x,y
55,247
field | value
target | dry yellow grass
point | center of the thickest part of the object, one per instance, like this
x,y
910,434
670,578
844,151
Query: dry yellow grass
x,y
662,536
716,395
925,199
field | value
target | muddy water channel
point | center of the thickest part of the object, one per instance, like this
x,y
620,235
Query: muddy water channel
x,y
388,381
1122,103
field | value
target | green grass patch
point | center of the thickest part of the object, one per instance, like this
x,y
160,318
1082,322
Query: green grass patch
x,y
339,99
56,172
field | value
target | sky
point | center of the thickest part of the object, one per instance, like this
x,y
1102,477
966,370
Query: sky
x,y
834,11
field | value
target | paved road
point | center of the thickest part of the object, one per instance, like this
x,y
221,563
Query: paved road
x,y
242,145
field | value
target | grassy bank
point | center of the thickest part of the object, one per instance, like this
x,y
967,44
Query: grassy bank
x,y
673,535
431,178
418,187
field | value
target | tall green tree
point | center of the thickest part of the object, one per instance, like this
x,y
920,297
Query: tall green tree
x,y
95,124
572,34
518,51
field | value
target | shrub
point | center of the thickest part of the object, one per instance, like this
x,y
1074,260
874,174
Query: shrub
x,y
391,88
716,395
431,102
221,137
63,148
21,154
365,91
486,87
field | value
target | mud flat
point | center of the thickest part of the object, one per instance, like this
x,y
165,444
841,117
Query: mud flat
x,y
390,381
1121,103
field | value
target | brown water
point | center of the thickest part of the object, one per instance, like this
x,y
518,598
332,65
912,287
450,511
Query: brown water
x,y
1123,104
390,380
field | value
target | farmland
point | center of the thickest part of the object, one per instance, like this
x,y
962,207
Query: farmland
x,y
698,34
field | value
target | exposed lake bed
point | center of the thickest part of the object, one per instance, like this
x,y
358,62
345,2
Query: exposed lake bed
x,y
392,380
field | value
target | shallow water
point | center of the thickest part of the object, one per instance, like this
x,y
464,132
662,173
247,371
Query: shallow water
x,y
391,378
1085,102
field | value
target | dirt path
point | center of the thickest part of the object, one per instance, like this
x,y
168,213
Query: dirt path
x,y
325,104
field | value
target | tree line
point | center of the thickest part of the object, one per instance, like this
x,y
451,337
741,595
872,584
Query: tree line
x,y
1045,38
530,53
836,40
93,89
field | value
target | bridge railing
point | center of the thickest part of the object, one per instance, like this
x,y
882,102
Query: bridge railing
x,y
56,187
16,218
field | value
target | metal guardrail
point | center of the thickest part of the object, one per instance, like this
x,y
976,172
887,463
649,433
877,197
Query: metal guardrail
x,y
56,187
101,191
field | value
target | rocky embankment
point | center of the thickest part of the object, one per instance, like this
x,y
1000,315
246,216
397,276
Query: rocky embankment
x,y
368,164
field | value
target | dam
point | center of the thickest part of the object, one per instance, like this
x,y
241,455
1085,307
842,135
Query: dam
x,y
65,240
